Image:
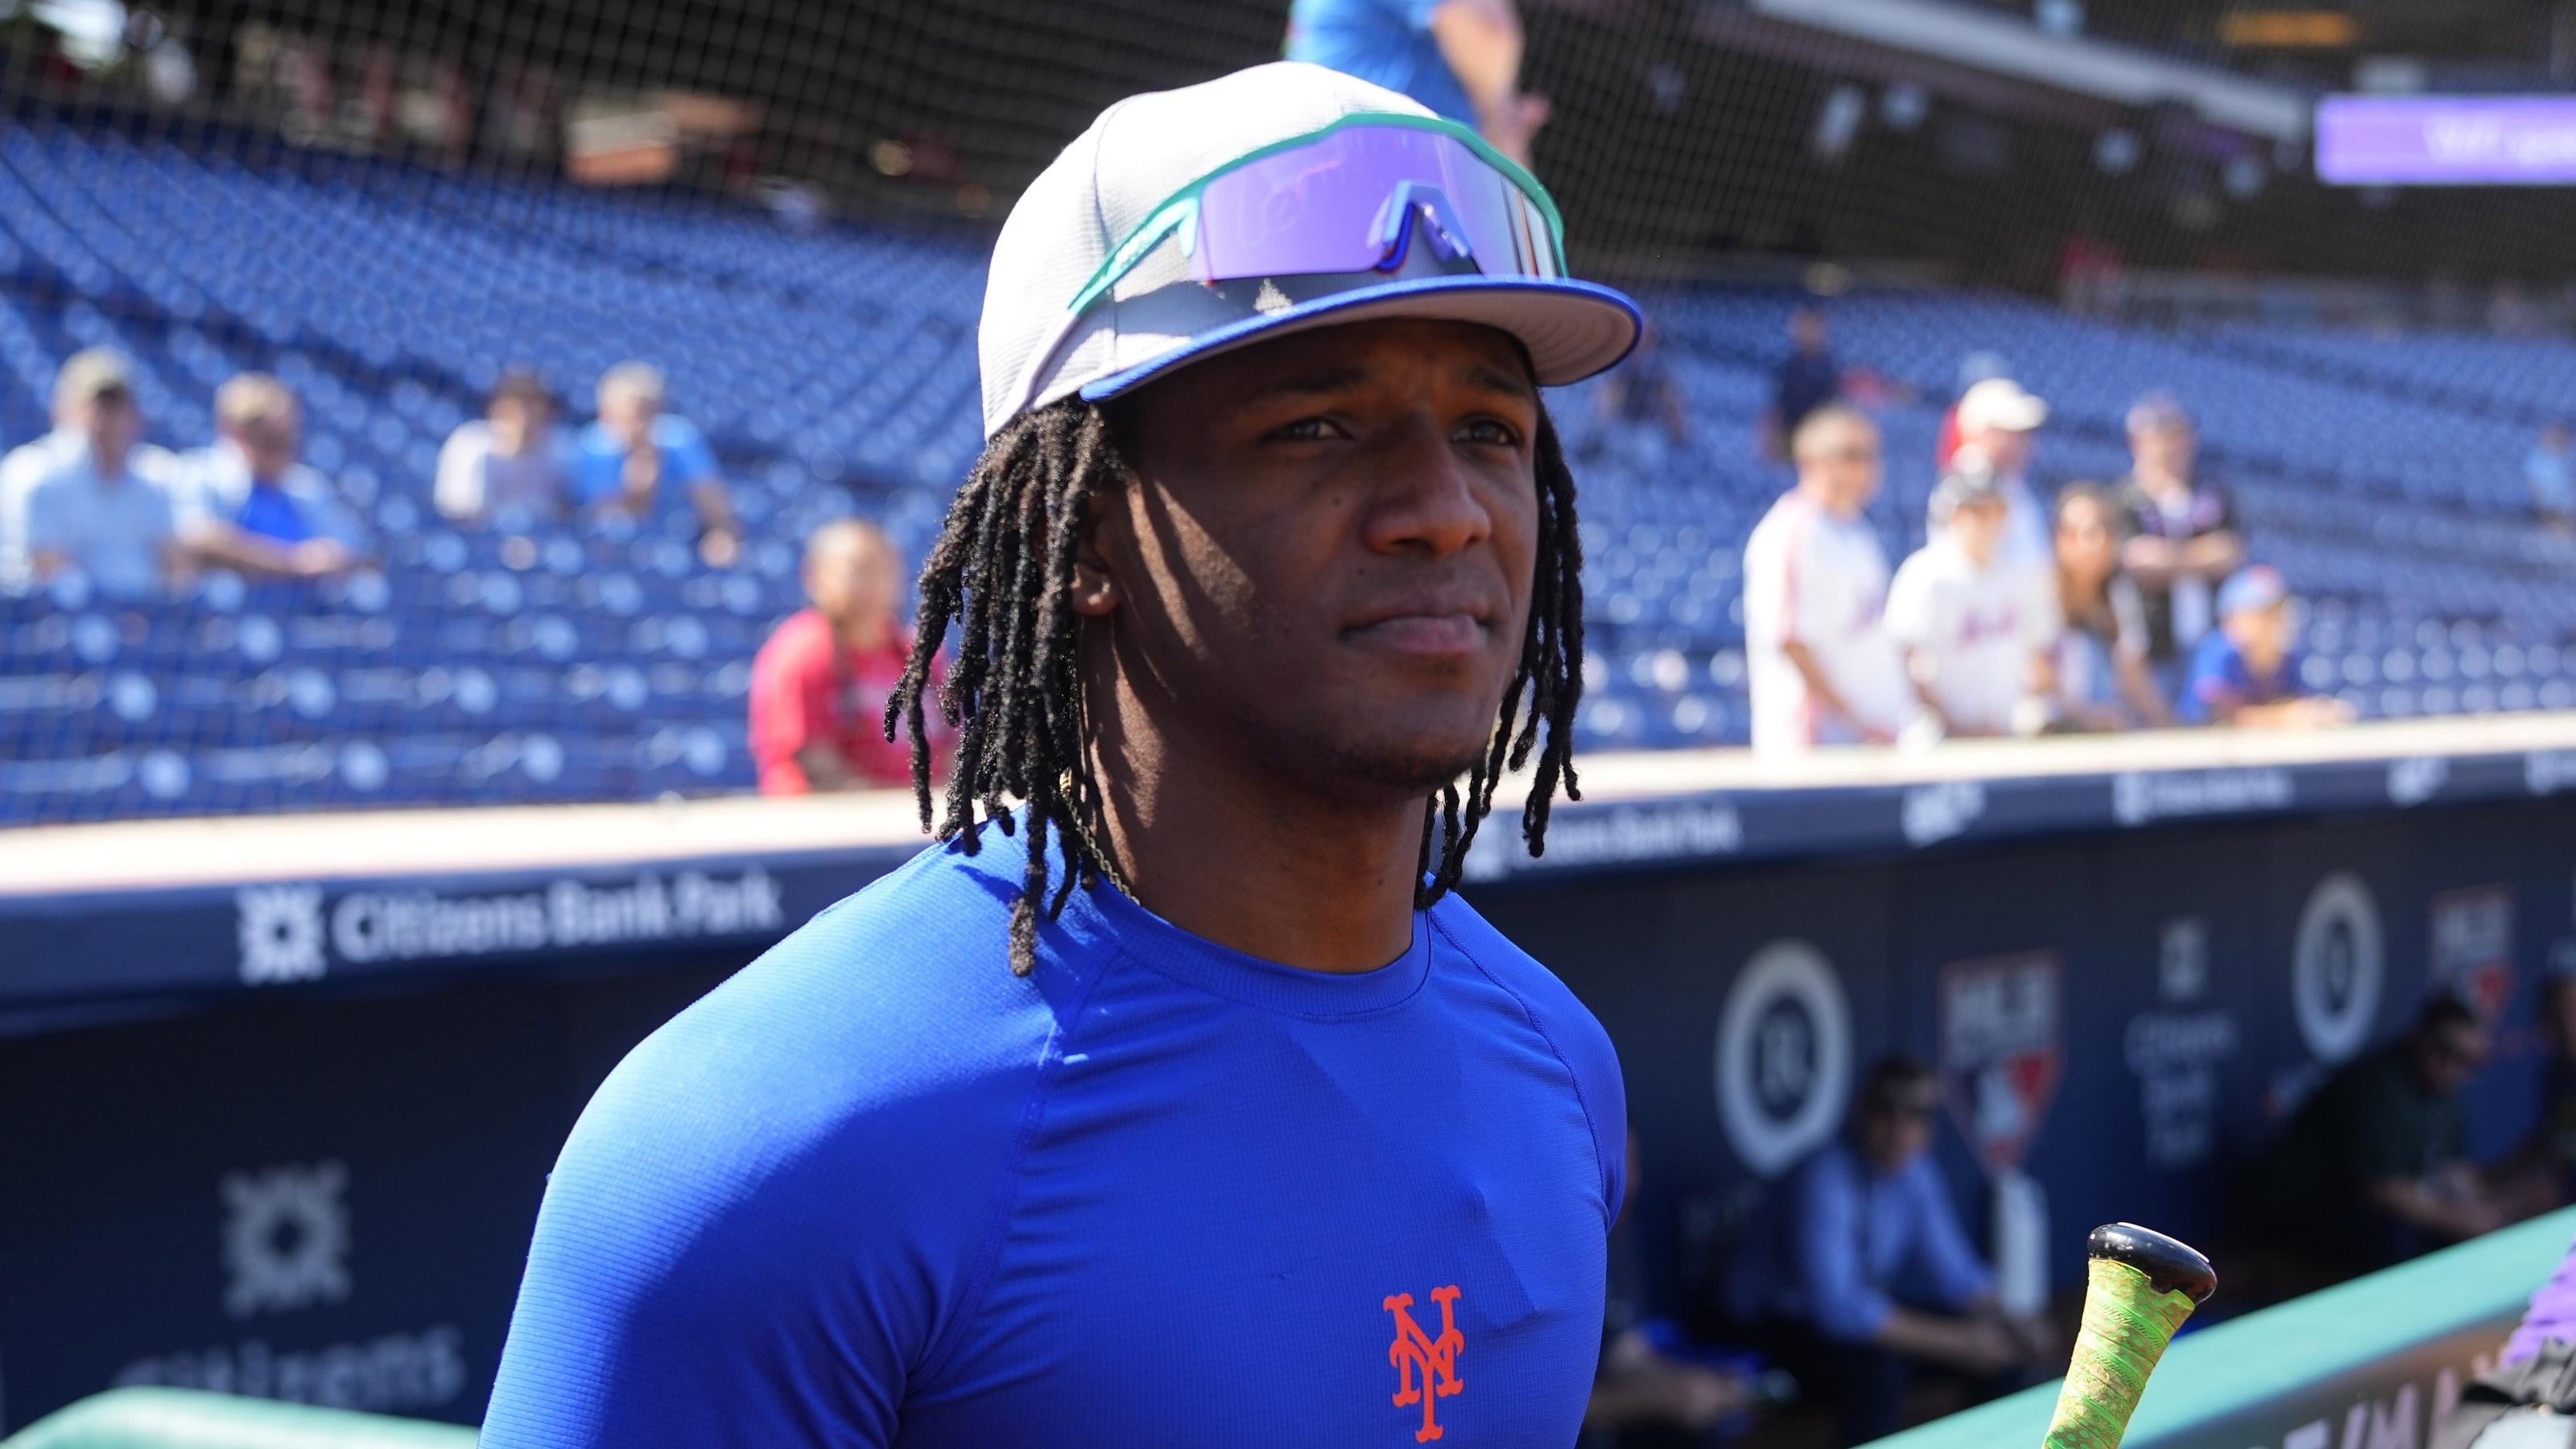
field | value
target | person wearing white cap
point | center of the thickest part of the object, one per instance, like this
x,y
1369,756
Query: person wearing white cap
x,y
1997,419
1172,1099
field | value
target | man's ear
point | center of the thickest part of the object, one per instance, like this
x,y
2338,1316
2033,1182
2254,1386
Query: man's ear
x,y
1094,590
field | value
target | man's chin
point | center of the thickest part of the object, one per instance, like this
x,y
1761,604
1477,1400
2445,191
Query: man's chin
x,y
1408,769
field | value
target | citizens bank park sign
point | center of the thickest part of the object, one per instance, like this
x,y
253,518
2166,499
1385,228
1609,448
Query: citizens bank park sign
x,y
301,932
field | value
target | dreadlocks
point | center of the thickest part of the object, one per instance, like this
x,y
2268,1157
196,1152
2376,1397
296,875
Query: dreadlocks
x,y
1000,573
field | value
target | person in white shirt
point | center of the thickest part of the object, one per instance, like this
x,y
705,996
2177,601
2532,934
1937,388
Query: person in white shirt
x,y
1820,663
1972,628
1997,423
512,460
96,498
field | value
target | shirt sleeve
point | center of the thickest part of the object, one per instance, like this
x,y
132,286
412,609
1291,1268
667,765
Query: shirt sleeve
x,y
1957,1274
2225,522
1826,1244
2128,620
459,489
47,527
686,1285
791,681
1909,605
692,461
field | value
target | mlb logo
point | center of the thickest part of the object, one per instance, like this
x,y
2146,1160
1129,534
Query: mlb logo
x,y
2002,1051
2473,947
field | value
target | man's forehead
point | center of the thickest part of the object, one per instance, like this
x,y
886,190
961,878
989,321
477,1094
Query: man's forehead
x,y
1363,354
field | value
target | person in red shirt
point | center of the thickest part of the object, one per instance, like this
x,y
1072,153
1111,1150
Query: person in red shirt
x,y
819,686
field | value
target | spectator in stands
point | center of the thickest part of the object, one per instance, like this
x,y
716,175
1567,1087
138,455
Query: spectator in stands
x,y
1972,627
1651,1389
1641,417
94,496
2374,1169
1461,58
2096,675
1805,380
2551,471
2182,540
2247,673
1998,422
1974,368
249,503
643,462
819,686
1856,1271
510,461
2541,1174
1821,664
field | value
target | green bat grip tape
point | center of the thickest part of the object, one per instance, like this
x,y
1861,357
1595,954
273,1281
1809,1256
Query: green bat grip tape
x,y
2127,1324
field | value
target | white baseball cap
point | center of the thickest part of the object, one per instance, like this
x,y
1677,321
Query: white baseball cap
x,y
2000,404
1036,348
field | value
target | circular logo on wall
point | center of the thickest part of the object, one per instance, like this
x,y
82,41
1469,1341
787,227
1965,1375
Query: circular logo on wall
x,y
2337,968
1784,1046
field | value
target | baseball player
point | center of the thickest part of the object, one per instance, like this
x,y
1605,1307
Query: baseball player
x,y
1171,1098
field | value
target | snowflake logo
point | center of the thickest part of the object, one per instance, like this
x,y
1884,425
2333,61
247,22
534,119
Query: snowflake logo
x,y
286,1238
281,933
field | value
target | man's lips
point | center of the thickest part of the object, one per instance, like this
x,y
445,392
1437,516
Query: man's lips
x,y
1423,626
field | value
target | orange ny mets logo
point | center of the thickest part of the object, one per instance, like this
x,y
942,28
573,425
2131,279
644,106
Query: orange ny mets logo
x,y
1426,1367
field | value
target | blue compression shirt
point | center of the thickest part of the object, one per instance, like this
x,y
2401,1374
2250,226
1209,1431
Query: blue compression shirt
x,y
876,1190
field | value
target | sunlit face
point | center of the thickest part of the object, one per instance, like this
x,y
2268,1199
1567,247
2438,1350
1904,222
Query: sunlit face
x,y
271,441
1327,555
1979,528
2007,451
515,420
2165,450
854,576
109,422
2261,635
628,415
1840,457
2084,539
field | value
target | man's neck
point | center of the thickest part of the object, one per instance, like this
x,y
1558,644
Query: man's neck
x,y
2163,484
1249,858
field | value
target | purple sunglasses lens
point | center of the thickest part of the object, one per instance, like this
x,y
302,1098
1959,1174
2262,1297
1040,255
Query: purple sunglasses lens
x,y
1321,208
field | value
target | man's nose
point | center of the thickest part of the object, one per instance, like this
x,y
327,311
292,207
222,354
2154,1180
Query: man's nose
x,y
1426,499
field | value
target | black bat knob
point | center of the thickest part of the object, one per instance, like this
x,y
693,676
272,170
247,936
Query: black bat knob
x,y
2171,1265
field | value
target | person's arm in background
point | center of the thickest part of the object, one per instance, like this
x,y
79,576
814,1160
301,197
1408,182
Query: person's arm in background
x,y
1911,622
694,462
1481,41
1847,1309
207,537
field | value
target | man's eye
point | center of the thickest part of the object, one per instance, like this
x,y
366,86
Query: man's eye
x,y
1307,430
1491,432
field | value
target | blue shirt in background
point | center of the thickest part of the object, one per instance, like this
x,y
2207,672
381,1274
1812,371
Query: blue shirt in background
x,y
2220,677
875,1189
1385,42
599,463
1836,1246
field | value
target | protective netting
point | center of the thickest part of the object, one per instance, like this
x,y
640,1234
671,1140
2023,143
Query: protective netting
x,y
784,209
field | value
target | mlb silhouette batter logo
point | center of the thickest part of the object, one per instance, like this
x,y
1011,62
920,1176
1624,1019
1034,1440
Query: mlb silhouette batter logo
x,y
1426,1367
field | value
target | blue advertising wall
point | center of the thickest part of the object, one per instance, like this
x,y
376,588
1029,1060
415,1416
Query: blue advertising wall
x,y
289,1139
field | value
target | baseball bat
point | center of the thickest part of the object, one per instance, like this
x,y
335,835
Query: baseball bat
x,y
2139,1287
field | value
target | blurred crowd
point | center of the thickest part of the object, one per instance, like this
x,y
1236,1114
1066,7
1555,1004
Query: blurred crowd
x,y
2102,605
135,521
